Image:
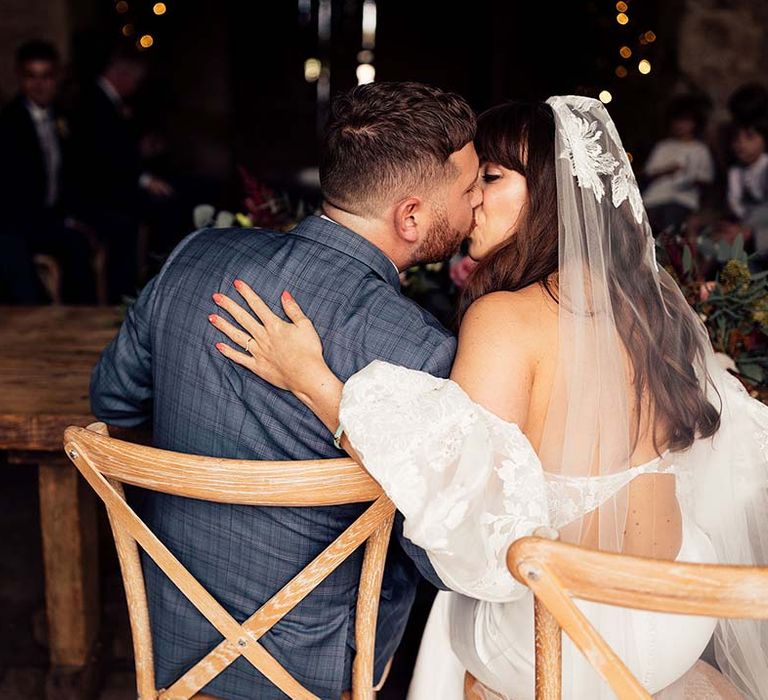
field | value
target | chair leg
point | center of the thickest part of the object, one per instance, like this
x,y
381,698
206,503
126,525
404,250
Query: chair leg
x,y
549,640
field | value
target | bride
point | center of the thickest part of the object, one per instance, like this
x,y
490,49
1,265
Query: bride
x,y
584,397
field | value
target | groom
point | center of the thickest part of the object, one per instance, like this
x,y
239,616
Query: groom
x,y
398,172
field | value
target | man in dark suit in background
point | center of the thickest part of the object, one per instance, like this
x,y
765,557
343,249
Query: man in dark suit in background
x,y
33,150
108,177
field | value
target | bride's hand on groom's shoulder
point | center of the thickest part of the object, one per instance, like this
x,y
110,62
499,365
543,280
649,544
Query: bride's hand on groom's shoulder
x,y
288,355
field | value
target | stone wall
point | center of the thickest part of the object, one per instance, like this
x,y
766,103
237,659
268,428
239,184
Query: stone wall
x,y
722,45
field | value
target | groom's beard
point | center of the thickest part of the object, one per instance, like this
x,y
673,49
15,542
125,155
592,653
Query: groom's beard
x,y
442,240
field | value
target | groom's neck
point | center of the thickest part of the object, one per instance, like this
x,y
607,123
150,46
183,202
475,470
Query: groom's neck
x,y
375,231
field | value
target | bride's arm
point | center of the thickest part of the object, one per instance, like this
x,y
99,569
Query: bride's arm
x,y
464,477
287,355
495,361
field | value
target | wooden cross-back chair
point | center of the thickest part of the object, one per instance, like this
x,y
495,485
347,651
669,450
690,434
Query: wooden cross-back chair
x,y
107,464
557,572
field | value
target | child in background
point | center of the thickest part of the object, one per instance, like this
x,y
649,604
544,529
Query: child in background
x,y
748,181
678,168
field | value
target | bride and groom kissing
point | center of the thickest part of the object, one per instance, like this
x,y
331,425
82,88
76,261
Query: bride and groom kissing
x,y
581,394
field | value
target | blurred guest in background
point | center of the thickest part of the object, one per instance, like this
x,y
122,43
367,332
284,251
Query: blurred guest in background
x,y
108,178
33,149
749,104
748,180
678,167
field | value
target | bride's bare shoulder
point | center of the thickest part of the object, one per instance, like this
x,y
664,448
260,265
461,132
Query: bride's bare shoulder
x,y
526,310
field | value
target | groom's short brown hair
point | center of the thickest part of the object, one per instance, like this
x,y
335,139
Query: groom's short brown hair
x,y
385,141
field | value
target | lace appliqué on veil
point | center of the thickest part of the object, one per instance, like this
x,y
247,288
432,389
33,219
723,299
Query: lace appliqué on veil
x,y
582,147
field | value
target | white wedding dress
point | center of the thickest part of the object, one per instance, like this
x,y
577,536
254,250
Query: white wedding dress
x,y
469,484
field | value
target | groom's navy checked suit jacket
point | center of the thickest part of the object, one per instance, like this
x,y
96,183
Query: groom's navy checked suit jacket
x,y
163,366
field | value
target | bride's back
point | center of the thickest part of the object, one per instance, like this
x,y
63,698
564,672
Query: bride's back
x,y
654,522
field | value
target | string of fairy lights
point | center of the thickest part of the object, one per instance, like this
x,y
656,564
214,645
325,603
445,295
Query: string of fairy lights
x,y
135,13
633,54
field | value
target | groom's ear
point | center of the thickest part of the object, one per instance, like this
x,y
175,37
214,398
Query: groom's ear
x,y
409,219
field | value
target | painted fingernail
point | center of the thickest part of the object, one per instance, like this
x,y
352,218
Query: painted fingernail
x,y
217,298
238,284
213,318
287,296
220,346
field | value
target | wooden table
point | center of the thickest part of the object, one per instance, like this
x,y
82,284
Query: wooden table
x,y
46,357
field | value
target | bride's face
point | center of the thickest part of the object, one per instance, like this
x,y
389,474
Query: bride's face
x,y
505,193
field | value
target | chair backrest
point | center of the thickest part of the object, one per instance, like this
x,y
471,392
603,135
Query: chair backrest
x,y
107,464
556,572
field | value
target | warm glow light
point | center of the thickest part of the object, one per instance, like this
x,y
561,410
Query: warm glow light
x,y
650,37
127,29
605,97
621,7
369,24
365,56
630,157
159,8
644,66
621,71
122,7
621,18
366,73
312,69
625,52
146,41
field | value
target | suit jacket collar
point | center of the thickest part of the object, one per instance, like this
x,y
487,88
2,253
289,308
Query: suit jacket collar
x,y
346,241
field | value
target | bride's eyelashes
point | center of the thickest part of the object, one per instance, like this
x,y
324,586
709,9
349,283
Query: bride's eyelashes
x,y
490,177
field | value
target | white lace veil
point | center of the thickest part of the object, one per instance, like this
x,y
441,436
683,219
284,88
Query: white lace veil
x,y
614,298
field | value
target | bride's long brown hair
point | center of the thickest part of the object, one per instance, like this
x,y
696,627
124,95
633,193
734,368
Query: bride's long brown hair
x,y
521,136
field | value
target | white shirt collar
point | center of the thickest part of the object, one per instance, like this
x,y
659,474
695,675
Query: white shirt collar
x,y
759,165
109,91
38,114
328,218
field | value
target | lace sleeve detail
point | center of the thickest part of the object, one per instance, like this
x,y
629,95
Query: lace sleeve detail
x,y
467,483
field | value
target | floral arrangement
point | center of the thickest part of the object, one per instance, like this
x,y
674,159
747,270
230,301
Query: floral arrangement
x,y
262,206
732,303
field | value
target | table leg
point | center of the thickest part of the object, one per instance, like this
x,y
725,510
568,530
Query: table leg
x,y
70,554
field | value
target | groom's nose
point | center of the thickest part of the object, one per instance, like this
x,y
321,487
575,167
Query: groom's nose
x,y
477,196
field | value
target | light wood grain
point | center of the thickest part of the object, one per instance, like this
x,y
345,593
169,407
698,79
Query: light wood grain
x,y
711,590
46,357
323,482
557,572
107,463
68,519
548,640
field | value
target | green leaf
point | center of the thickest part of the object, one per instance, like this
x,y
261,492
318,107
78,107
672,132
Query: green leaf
x,y
687,260
737,251
752,371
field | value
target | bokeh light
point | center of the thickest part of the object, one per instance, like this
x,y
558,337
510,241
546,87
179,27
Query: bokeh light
x,y
366,73
312,69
